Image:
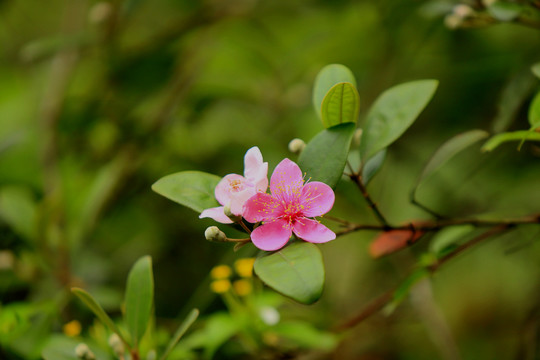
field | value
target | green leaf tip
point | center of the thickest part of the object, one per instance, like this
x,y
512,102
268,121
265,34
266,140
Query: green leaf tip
x,y
193,189
329,76
393,113
139,298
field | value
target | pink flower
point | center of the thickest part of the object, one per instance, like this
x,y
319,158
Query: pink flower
x,y
289,209
233,190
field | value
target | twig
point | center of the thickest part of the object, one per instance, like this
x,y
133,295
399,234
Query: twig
x,y
381,301
357,179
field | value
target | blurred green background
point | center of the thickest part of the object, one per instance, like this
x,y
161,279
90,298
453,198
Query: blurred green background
x,y
98,100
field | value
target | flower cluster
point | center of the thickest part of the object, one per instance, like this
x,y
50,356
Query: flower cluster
x,y
288,209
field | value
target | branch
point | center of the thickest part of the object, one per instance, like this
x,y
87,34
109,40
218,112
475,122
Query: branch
x,y
381,301
357,179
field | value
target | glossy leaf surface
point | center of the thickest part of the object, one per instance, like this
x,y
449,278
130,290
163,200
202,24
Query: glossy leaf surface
x,y
329,76
194,189
340,105
325,156
296,271
393,113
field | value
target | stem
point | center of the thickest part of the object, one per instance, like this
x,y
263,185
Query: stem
x,y
440,224
381,301
357,179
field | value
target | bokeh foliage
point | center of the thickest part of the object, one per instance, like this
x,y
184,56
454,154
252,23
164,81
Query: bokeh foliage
x,y
100,99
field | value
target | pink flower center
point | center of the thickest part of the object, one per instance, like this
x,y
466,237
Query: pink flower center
x,y
236,185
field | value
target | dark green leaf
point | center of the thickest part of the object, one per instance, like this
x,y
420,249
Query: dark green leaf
x,y
296,271
504,11
93,305
325,156
340,105
449,149
186,324
329,76
534,112
512,97
392,113
139,298
194,189
521,135
372,166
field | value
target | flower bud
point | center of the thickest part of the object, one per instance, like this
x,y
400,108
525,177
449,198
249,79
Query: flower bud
x,y
230,215
117,345
463,11
100,12
82,351
214,234
296,146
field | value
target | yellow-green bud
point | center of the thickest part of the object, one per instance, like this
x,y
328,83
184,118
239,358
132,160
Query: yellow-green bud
x,y
296,146
357,136
214,234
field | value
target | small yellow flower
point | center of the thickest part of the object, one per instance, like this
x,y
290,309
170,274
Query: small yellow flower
x,y
220,286
221,272
242,287
72,328
244,267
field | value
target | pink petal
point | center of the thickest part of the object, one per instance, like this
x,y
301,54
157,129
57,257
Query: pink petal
x,y
238,199
312,231
224,188
317,199
286,179
272,235
261,207
216,214
255,170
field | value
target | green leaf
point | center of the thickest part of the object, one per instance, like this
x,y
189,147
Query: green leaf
x,y
449,149
536,70
504,11
520,135
340,105
139,298
448,237
372,166
186,324
534,112
325,156
512,97
194,189
296,271
61,347
93,305
392,114
329,76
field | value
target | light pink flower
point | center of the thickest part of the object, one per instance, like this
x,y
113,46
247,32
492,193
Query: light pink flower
x,y
289,209
233,190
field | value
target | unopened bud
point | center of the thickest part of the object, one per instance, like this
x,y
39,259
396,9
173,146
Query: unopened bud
x,y
82,351
452,21
214,234
296,146
117,345
227,211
